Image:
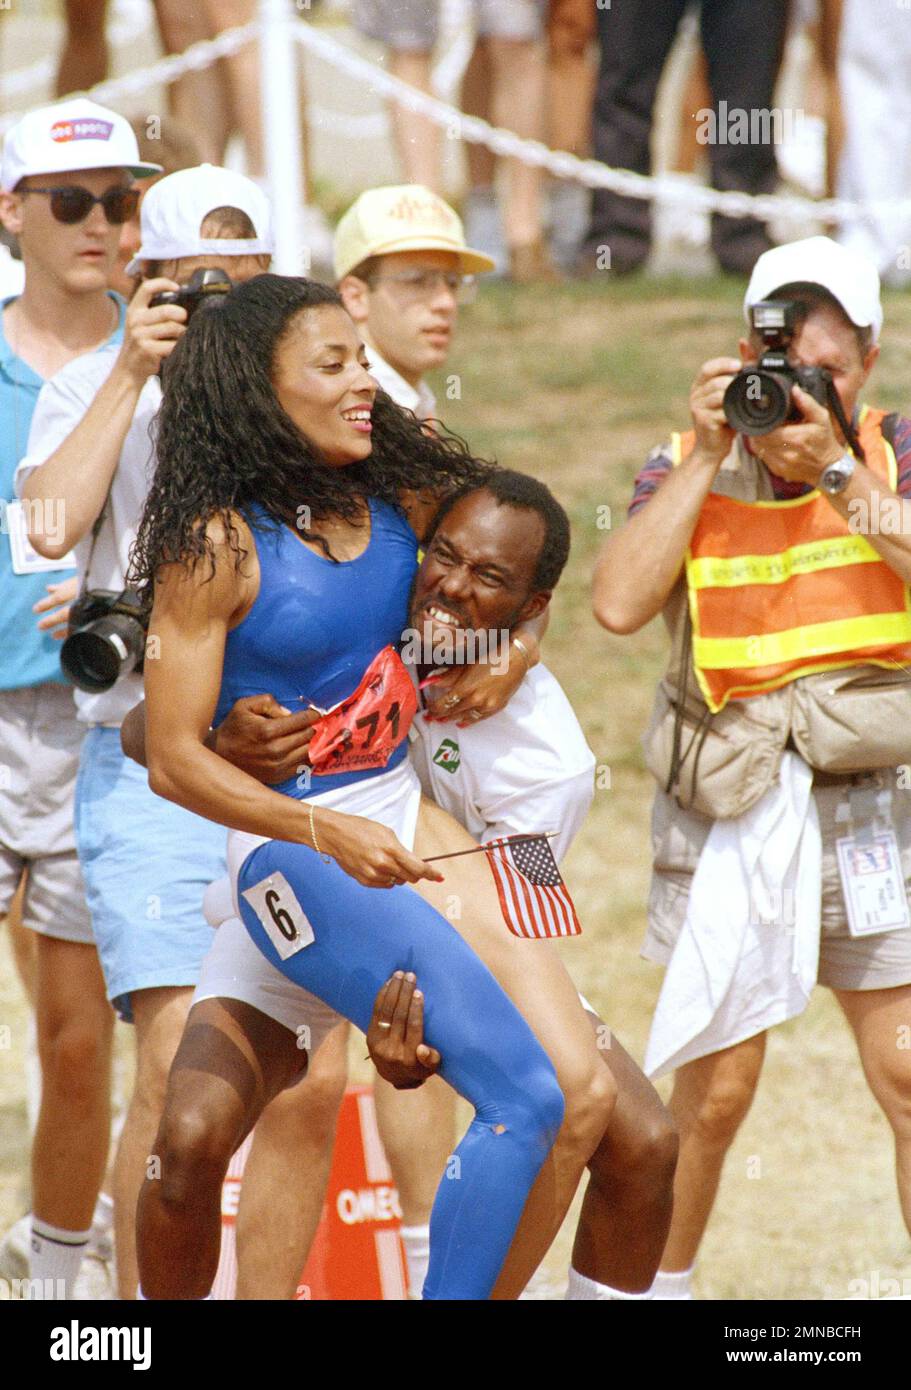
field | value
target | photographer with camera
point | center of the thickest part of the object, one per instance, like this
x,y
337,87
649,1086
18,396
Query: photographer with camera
x,y
781,837
146,862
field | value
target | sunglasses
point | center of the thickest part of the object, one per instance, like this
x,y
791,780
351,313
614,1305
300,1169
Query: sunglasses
x,y
72,204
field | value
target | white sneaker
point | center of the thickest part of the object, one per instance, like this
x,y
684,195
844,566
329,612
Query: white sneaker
x,y
97,1280
97,1277
14,1249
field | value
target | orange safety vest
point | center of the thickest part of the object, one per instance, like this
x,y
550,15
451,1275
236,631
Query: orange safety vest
x,y
775,591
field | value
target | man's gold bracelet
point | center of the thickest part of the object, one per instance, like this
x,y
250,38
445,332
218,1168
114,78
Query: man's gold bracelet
x,y
517,642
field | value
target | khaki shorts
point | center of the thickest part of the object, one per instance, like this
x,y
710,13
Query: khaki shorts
x,y
413,25
845,962
39,757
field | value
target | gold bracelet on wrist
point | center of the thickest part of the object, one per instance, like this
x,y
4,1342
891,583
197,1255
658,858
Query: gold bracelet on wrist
x,y
517,642
325,857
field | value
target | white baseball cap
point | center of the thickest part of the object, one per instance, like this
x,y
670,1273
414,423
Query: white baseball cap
x,y
175,208
402,217
817,260
70,135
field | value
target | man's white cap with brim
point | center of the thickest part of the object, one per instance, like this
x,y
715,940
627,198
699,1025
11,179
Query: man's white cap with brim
x,y
175,208
817,260
68,136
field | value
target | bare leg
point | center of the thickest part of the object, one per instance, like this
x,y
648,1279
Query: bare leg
x,y
23,944
519,76
84,59
482,163
416,139
418,1133
626,1213
242,70
711,1099
72,1137
286,1175
881,1022
232,1060
829,33
572,81
160,1015
198,100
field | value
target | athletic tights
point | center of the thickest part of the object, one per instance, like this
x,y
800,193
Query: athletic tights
x,y
490,1055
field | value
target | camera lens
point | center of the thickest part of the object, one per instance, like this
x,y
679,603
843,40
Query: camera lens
x,y
97,655
757,401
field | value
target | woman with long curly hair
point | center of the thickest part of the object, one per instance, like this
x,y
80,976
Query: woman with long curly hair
x,y
279,540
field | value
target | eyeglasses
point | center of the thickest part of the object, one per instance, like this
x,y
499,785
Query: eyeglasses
x,y
421,284
72,204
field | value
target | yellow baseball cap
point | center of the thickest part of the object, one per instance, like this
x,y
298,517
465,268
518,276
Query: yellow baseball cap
x,y
403,217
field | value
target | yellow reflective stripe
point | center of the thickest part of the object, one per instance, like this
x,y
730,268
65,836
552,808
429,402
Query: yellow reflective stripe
x,y
818,639
742,690
730,572
676,449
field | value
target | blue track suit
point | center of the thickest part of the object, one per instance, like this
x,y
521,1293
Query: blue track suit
x,y
311,633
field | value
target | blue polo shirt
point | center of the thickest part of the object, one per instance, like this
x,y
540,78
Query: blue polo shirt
x,y
27,656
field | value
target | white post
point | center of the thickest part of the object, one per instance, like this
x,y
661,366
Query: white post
x,y
281,133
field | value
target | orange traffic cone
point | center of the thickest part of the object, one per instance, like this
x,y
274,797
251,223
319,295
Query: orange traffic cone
x,y
357,1252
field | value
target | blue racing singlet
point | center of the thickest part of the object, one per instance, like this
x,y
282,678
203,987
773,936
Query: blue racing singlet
x,y
317,624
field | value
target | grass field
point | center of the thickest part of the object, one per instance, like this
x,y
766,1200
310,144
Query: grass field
x,y
575,385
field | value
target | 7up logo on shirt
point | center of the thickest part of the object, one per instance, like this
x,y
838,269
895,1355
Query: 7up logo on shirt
x,y
447,755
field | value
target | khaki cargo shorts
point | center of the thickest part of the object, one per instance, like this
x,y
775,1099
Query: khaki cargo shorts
x,y
413,25
845,962
39,758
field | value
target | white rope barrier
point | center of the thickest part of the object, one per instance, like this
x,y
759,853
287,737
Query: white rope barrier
x,y
166,70
589,172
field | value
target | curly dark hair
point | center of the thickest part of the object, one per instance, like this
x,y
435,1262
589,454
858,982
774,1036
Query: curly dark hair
x,y
224,442
525,493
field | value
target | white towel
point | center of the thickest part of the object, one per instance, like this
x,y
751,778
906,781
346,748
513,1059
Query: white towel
x,y
748,954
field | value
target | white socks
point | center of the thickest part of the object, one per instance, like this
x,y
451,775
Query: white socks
x,y
676,1284
581,1287
416,1240
56,1255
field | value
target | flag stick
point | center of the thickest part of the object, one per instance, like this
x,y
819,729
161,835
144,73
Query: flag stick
x,y
481,849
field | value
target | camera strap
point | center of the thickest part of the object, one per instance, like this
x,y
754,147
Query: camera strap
x,y
701,730
96,531
845,425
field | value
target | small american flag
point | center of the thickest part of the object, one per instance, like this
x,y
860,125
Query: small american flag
x,y
533,897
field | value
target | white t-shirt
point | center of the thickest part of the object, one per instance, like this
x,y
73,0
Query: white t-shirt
x,y
62,403
527,768
419,399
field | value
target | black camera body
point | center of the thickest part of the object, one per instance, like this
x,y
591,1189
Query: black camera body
x,y
105,638
203,285
758,399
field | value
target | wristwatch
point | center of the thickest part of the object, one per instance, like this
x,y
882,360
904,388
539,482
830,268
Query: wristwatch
x,y
836,477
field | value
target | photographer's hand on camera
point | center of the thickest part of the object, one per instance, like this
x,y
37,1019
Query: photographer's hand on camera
x,y
801,452
714,435
150,331
73,482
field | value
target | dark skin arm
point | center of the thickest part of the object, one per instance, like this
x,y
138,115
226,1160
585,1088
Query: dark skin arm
x,y
258,735
398,1050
